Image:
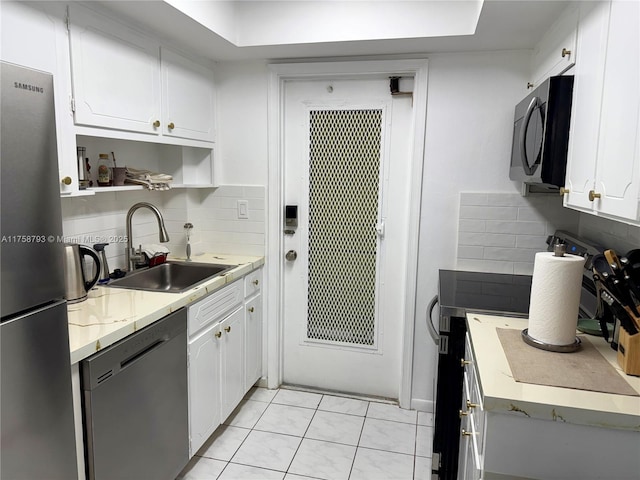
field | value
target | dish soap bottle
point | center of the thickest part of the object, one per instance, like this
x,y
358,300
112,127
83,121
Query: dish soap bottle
x,y
104,173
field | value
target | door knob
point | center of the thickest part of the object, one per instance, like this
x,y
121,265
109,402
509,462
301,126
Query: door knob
x,y
291,255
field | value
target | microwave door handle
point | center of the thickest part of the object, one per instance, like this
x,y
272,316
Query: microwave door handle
x,y
430,327
535,102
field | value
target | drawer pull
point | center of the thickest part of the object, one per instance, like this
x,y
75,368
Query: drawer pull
x,y
462,413
466,434
218,334
227,329
251,309
471,405
464,362
255,282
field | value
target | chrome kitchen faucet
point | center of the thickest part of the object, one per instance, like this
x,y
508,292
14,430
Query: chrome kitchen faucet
x,y
132,255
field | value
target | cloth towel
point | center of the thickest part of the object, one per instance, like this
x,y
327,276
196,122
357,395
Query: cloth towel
x,y
153,249
148,179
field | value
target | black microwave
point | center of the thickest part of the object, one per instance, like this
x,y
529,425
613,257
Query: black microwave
x,y
541,134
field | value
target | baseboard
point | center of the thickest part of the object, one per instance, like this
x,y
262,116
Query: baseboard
x,y
422,405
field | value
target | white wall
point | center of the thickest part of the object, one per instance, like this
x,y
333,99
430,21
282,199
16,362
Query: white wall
x,y
242,152
468,145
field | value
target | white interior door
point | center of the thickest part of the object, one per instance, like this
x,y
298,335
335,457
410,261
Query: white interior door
x,y
347,151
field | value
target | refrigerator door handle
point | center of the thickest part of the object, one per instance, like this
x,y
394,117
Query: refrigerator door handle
x,y
430,326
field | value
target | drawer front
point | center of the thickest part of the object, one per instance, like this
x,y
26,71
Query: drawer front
x,y
253,283
214,307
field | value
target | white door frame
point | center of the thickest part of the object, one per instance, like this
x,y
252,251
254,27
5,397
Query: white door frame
x,y
279,73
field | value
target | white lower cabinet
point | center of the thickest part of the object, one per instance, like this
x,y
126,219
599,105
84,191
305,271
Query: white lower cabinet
x,y
253,328
225,354
204,387
231,362
215,378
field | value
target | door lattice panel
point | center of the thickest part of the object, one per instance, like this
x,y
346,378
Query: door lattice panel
x,y
344,177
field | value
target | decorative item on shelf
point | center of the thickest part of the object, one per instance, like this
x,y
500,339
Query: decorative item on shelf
x,y
83,174
104,172
88,169
119,173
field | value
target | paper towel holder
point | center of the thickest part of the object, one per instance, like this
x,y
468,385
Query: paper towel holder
x,y
529,340
559,249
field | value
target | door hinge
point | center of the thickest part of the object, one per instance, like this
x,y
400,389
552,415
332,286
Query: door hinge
x,y
73,105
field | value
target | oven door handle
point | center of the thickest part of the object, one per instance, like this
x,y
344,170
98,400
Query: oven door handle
x,y
430,326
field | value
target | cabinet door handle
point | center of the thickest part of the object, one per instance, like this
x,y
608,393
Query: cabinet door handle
x,y
66,180
565,52
563,191
156,124
462,413
255,282
593,195
471,405
227,329
464,362
218,334
251,309
466,434
171,126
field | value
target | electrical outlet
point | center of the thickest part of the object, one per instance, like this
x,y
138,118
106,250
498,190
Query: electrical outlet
x,y
243,209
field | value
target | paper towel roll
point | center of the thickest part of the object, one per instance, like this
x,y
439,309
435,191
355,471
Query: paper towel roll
x,y
555,298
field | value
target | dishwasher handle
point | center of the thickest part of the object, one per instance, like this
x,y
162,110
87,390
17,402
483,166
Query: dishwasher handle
x,y
146,350
430,326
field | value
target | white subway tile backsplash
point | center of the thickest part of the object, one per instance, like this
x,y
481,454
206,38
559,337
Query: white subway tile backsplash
x,y
537,242
519,228
510,254
501,232
91,219
507,200
469,225
471,252
474,199
486,239
484,266
489,213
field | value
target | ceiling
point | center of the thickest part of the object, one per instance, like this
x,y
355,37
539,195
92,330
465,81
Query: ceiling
x,y
502,25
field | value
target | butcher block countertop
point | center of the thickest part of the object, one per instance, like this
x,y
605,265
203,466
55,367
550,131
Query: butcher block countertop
x,y
502,394
111,314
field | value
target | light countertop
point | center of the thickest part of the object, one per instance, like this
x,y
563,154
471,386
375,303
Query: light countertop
x,y
111,314
502,394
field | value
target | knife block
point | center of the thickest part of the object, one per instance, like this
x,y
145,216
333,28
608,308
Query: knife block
x,y
629,352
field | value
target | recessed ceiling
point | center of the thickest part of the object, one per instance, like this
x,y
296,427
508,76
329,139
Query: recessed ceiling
x,y
509,24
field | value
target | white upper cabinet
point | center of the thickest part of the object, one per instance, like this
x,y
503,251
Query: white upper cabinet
x,y
116,74
125,81
556,51
603,171
618,165
188,98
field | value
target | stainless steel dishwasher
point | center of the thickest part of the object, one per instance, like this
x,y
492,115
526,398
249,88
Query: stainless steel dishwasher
x,y
136,406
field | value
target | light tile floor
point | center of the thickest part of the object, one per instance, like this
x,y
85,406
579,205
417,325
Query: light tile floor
x,y
289,434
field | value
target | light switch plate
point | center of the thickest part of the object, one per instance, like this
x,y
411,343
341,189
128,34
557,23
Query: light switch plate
x,y
243,209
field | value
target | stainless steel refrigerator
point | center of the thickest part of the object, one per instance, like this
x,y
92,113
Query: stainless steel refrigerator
x,y
37,431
